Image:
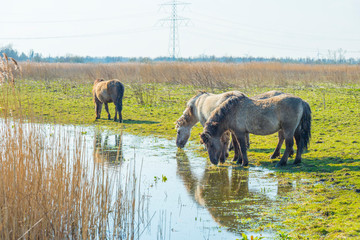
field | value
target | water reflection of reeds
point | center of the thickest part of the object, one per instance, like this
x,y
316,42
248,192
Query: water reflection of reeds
x,y
49,189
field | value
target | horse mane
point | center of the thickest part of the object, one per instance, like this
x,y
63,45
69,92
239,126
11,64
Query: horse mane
x,y
220,113
192,100
186,116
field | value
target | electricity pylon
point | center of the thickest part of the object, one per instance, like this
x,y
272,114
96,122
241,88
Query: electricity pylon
x,y
174,21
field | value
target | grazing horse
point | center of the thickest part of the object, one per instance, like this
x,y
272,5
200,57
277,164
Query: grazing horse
x,y
199,109
242,115
105,92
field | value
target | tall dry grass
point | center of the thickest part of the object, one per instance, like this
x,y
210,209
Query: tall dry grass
x,y
50,190
198,74
9,68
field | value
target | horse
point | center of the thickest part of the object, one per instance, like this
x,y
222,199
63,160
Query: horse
x,y
105,92
242,115
199,108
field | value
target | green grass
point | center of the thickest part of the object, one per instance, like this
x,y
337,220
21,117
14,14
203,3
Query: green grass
x,y
325,204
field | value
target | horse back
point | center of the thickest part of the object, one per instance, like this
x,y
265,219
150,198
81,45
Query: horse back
x,y
266,116
268,94
108,91
206,104
289,109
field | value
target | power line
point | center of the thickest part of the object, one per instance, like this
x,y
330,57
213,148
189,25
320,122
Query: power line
x,y
122,32
135,15
264,30
221,36
174,21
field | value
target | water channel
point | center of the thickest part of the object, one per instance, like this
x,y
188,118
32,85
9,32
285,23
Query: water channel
x,y
186,198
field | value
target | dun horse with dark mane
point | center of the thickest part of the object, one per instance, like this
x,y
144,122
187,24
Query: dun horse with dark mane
x,y
242,115
199,109
105,92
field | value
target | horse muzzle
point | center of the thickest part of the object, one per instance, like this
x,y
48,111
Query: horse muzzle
x,y
180,145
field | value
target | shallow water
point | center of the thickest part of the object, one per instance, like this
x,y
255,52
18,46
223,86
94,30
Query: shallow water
x,y
189,198
186,198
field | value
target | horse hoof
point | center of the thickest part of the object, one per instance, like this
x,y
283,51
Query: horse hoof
x,y
279,164
291,153
245,164
274,156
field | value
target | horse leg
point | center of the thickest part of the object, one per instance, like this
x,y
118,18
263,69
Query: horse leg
x,y
241,138
289,142
291,151
116,113
222,156
236,145
107,110
299,147
118,108
225,138
278,146
98,106
247,140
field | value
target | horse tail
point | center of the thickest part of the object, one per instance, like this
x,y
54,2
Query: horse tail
x,y
304,128
119,96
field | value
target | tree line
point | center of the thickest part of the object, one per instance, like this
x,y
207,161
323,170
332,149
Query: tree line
x,y
334,57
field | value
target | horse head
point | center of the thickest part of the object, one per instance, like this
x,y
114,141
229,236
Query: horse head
x,y
213,145
98,80
183,127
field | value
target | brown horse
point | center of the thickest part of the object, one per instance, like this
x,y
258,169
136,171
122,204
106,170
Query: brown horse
x,y
242,115
105,92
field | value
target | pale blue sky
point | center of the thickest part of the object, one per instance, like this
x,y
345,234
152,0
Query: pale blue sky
x,y
131,28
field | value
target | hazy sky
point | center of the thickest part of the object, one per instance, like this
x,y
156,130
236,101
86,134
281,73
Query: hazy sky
x,y
131,28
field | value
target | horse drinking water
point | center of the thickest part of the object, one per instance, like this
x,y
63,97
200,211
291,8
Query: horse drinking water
x,y
199,108
105,92
242,115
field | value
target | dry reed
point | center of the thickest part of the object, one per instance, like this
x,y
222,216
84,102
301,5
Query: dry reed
x,y
8,71
212,75
48,189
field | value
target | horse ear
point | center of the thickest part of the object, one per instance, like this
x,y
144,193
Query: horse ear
x,y
188,111
204,138
98,80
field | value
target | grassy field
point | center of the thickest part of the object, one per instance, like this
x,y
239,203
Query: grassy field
x,y
326,202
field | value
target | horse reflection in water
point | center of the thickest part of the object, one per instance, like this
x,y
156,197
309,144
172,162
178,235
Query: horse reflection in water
x,y
233,197
106,150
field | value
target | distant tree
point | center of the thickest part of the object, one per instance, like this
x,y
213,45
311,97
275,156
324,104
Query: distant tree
x,y
37,57
9,51
31,54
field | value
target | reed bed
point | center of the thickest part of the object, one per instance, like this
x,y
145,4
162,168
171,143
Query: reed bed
x,y
50,190
212,74
9,69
